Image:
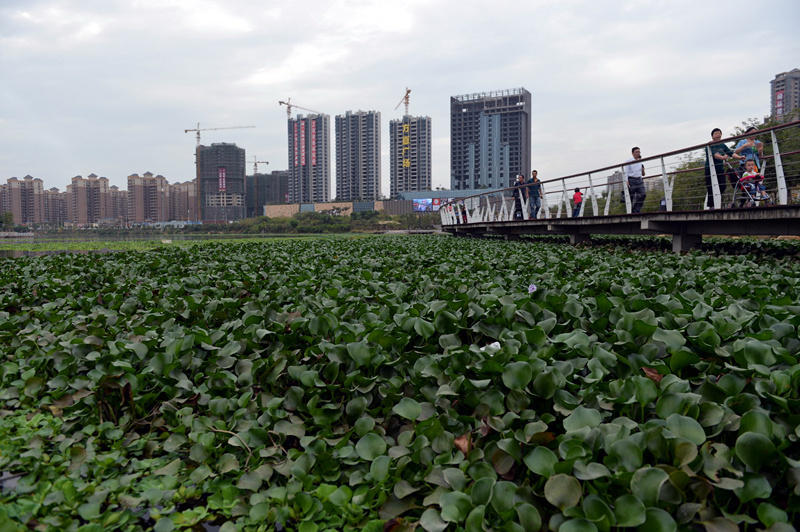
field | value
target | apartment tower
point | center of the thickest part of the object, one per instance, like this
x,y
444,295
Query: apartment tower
x,y
89,200
220,183
266,189
785,94
148,198
409,154
358,156
309,158
490,138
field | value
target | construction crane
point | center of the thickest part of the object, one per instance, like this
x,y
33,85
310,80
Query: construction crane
x,y
256,163
198,129
404,100
288,103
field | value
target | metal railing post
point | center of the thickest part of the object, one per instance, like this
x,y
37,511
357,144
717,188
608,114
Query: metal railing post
x,y
714,183
595,211
626,189
667,186
783,196
545,205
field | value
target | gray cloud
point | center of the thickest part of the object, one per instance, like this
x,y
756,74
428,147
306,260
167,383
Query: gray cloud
x,y
108,87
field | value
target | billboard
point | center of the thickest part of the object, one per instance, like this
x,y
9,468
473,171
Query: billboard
x,y
428,204
779,102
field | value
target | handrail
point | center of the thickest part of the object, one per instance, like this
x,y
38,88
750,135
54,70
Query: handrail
x,y
624,163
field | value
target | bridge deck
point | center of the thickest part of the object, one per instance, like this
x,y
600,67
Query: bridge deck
x,y
686,227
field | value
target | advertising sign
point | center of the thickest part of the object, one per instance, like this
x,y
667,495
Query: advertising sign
x,y
779,102
423,205
295,144
303,143
313,143
221,178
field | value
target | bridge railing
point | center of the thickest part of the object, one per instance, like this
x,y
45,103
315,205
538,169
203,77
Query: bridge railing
x,y
679,180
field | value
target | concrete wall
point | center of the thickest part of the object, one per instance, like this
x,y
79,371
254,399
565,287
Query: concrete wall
x,y
281,211
343,207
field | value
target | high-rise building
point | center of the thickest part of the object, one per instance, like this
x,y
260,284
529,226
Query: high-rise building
x,y
148,198
266,189
220,182
55,207
25,200
119,204
309,158
409,154
785,93
89,200
183,201
358,156
490,138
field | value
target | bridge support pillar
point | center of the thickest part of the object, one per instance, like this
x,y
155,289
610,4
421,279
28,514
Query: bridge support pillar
x,y
683,242
579,238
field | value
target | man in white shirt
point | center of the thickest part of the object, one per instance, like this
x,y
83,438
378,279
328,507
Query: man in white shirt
x,y
634,171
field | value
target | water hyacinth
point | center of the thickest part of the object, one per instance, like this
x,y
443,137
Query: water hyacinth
x,y
357,384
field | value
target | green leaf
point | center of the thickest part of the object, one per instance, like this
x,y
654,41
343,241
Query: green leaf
x,y
686,427
379,469
541,461
646,484
503,496
629,511
595,509
455,478
89,511
674,340
769,514
577,525
259,512
659,521
482,490
582,417
424,328
370,446
408,408
529,517
475,519
754,449
164,524
755,487
359,352
431,521
625,454
517,375
455,506
562,491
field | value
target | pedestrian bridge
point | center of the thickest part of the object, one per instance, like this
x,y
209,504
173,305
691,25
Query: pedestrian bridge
x,y
681,201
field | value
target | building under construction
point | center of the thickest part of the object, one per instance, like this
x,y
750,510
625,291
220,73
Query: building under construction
x,y
220,182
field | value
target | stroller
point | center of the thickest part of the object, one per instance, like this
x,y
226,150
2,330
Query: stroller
x,y
746,191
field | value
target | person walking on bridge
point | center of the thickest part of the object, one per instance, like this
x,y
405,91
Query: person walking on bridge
x,y
534,194
634,171
577,201
721,153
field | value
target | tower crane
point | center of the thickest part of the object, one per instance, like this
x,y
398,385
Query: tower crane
x,y
288,103
404,100
198,129
256,163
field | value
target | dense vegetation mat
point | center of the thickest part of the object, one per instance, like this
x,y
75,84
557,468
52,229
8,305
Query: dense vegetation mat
x,y
393,383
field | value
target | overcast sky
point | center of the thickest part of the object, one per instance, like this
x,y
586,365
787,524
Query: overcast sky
x,y
108,86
